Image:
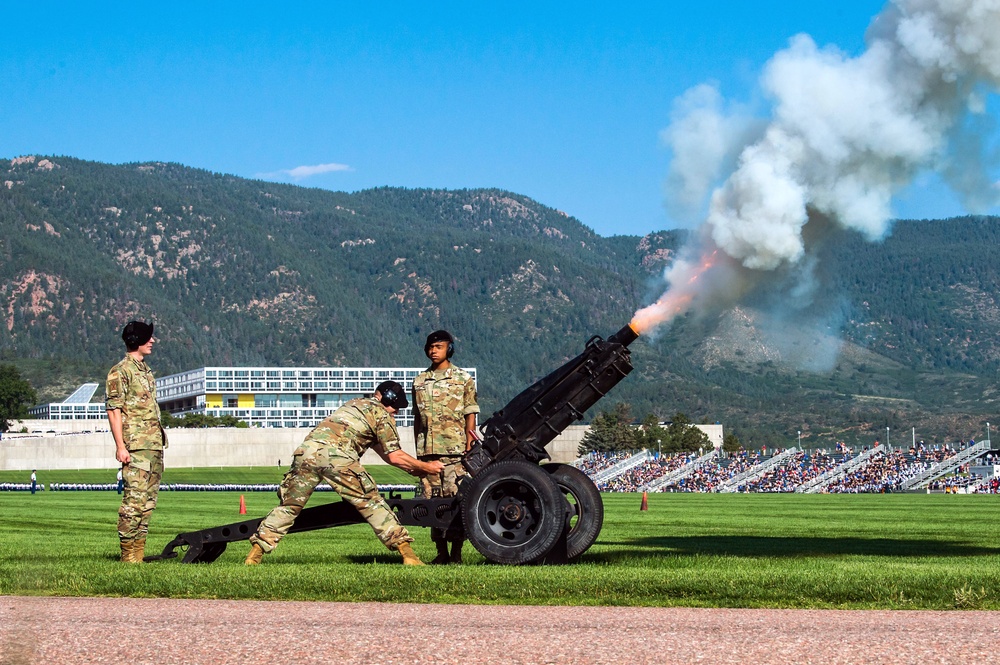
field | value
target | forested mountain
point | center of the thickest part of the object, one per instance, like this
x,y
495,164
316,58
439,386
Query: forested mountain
x,y
237,271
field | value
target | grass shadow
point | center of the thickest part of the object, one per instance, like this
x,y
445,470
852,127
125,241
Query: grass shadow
x,y
758,546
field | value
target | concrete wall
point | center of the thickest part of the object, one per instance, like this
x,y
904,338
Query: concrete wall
x,y
210,447
201,448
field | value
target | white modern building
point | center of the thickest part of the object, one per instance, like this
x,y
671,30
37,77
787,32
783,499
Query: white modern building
x,y
75,407
277,396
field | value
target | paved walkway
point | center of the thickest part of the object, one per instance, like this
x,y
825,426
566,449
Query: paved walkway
x,y
138,630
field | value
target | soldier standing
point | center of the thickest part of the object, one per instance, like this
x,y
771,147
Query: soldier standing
x,y
134,417
332,452
444,428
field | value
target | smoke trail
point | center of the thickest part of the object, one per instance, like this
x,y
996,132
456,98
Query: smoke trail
x,y
845,134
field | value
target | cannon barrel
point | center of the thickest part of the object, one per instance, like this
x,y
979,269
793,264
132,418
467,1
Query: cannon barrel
x,y
523,427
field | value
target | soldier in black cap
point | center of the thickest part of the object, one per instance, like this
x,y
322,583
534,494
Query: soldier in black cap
x,y
444,427
134,417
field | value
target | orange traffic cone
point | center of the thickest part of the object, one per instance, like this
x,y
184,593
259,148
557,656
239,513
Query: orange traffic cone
x,y
645,503
243,505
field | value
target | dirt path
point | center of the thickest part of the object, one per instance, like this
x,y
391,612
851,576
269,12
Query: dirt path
x,y
136,630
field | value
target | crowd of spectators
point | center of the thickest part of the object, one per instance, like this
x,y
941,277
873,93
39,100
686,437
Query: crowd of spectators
x,y
716,471
799,469
886,472
954,483
883,472
593,463
992,487
651,469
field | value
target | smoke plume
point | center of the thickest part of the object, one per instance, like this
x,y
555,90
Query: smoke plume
x,y
844,135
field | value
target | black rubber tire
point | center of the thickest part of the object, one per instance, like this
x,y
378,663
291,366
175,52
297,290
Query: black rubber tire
x,y
513,512
584,498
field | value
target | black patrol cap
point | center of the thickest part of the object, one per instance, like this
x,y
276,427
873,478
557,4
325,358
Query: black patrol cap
x,y
440,336
136,333
392,395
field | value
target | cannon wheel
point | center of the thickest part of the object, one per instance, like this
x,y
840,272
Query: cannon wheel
x,y
513,512
585,500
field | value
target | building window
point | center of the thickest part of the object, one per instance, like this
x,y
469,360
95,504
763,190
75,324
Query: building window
x,y
327,400
265,401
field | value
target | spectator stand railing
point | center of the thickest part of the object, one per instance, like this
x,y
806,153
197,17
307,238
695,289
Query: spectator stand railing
x,y
824,479
756,471
682,472
945,466
621,467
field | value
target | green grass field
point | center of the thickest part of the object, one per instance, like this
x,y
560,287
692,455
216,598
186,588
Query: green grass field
x,y
902,551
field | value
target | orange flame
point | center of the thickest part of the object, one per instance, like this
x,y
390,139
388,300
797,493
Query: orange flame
x,y
677,299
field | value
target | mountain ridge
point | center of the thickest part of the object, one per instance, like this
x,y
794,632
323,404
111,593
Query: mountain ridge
x,y
238,271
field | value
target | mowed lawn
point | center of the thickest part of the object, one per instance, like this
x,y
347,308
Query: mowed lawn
x,y
901,551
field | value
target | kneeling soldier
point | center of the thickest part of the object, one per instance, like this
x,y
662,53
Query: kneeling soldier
x,y
332,452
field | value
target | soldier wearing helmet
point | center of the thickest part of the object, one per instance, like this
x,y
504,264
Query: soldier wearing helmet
x,y
444,426
332,453
134,418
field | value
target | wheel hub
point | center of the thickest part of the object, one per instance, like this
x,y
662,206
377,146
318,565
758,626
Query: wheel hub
x,y
512,511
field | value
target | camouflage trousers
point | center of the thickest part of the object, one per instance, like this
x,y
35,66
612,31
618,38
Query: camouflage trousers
x,y
141,478
313,463
444,484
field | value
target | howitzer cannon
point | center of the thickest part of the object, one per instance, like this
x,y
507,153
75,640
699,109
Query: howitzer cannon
x,y
513,509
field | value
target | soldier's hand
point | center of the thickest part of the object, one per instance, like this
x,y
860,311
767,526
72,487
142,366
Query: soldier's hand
x,y
122,456
433,467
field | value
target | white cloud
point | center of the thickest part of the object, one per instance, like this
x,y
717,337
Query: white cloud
x,y
300,172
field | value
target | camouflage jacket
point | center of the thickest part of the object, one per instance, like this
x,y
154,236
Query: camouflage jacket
x,y
356,427
441,400
131,388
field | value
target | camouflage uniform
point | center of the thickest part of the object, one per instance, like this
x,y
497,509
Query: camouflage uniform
x,y
441,401
332,452
131,389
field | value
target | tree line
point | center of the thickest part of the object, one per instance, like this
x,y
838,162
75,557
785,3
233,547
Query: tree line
x,y
615,430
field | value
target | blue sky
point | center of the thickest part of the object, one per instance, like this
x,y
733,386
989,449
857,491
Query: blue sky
x,y
563,102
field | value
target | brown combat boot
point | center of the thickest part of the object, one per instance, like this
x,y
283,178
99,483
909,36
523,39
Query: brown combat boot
x,y
456,551
255,555
409,557
442,555
126,551
138,550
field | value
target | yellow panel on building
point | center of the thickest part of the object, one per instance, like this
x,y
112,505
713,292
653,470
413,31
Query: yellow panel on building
x,y
213,400
245,400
